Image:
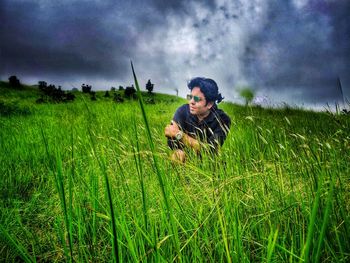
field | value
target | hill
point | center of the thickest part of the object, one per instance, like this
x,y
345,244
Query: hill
x,y
80,182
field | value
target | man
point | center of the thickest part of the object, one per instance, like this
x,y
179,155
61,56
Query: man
x,y
199,125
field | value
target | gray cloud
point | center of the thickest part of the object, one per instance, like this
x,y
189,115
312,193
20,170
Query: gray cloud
x,y
62,40
296,48
291,51
180,6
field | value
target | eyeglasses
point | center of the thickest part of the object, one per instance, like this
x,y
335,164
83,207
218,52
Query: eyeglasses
x,y
195,98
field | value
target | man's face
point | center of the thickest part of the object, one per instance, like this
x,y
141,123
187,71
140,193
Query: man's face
x,y
200,108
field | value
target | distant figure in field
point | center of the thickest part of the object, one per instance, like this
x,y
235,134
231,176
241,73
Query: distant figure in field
x,y
199,125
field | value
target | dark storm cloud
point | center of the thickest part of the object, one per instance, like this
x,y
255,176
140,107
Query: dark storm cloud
x,y
72,39
307,49
64,39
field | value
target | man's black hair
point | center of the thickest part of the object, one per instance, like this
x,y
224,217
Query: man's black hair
x,y
208,87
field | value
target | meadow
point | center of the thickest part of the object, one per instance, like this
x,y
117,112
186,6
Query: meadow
x,y
91,181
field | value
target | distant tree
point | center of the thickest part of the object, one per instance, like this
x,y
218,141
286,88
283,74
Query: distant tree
x,y
54,94
86,88
59,94
75,89
247,94
14,82
49,90
113,89
149,86
107,94
121,88
42,85
129,92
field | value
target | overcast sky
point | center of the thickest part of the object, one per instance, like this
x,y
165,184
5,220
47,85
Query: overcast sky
x,y
287,50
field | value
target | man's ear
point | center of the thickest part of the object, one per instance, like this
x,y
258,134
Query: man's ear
x,y
210,104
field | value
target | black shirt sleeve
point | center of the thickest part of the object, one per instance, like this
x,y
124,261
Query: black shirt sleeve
x,y
179,118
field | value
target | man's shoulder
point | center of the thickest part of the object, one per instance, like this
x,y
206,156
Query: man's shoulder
x,y
183,107
181,113
222,115
183,110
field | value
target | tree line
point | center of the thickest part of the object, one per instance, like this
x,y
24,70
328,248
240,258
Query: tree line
x,y
51,93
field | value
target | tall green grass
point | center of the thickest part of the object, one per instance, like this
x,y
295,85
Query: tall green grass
x,y
92,181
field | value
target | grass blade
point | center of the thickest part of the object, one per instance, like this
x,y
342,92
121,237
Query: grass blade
x,y
324,222
62,194
155,162
23,253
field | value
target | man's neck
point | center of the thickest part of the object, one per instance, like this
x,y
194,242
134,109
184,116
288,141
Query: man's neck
x,y
203,116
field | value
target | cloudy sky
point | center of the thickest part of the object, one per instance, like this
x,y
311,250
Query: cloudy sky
x,y
289,51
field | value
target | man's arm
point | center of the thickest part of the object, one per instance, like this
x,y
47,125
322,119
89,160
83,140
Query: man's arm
x,y
172,129
191,142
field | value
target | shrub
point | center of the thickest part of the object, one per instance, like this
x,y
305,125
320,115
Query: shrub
x,y
14,82
13,108
54,94
93,95
42,85
86,88
118,98
70,96
129,92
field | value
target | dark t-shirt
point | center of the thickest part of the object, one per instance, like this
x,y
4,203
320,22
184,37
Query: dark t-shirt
x,y
211,130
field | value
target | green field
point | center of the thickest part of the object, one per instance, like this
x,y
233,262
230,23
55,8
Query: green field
x,y
91,181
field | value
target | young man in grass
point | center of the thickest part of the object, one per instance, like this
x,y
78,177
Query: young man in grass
x,y
198,125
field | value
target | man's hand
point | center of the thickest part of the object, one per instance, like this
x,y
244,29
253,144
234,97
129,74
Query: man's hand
x,y
171,130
